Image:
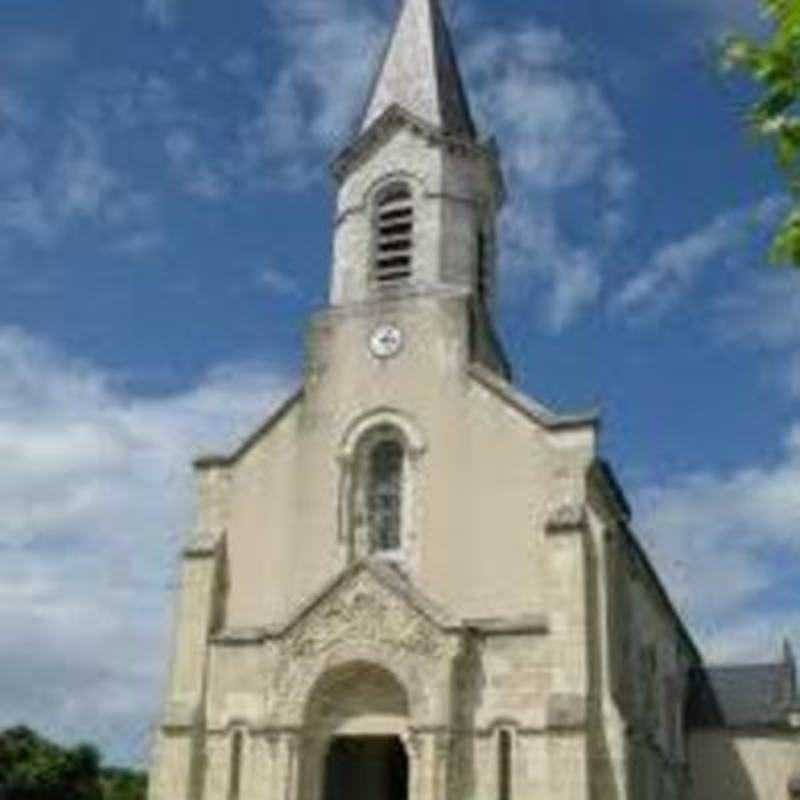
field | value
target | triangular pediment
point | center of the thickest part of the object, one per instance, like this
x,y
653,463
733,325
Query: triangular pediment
x,y
371,576
370,603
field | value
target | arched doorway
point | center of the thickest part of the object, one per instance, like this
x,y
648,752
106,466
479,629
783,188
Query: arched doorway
x,y
356,718
366,768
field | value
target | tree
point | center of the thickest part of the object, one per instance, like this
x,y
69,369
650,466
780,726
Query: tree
x,y
774,63
123,784
33,768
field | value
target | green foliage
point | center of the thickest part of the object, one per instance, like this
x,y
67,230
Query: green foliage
x,y
775,117
119,784
32,768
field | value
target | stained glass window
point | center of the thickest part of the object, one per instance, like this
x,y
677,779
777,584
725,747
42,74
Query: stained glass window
x,y
384,494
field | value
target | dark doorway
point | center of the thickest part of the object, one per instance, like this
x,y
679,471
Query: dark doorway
x,y
366,768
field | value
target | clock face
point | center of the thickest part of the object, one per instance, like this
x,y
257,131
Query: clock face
x,y
386,341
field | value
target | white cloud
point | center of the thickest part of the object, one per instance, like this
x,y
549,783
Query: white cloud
x,y
278,282
41,199
330,53
193,167
23,211
560,140
724,542
674,269
83,178
766,312
765,315
162,12
139,243
96,493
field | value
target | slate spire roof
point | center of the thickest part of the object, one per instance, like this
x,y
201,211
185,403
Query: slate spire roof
x,y
420,73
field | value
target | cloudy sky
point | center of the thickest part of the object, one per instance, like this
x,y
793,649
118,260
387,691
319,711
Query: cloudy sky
x,y
165,232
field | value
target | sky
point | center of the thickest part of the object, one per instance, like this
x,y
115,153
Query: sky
x,y
165,232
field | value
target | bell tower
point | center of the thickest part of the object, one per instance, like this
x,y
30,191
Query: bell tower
x,y
418,190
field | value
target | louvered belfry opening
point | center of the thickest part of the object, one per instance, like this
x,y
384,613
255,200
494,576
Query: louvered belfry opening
x,y
395,234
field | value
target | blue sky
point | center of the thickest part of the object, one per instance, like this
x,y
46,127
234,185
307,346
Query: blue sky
x,y
165,233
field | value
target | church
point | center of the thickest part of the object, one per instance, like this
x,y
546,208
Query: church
x,y
413,582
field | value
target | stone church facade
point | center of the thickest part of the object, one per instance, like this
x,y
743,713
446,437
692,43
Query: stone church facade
x,y
415,583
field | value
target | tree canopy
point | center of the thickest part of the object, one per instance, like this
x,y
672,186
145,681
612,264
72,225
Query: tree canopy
x,y
33,768
774,64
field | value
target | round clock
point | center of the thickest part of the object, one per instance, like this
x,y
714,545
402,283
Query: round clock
x,y
386,341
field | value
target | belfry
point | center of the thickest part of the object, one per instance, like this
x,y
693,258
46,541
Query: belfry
x,y
413,582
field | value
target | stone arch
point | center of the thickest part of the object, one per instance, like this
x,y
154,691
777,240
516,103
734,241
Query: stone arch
x,y
358,695
373,189
415,439
376,657
363,198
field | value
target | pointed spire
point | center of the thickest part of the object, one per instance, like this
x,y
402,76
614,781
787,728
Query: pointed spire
x,y
420,73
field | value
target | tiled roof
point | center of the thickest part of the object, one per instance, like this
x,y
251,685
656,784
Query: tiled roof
x,y
742,696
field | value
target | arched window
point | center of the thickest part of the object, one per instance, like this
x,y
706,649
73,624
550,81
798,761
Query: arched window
x,y
380,459
384,494
394,233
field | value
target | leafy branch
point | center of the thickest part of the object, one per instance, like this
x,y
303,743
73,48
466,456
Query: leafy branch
x,y
775,64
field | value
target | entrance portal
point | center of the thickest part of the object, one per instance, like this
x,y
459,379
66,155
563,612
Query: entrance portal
x,y
366,768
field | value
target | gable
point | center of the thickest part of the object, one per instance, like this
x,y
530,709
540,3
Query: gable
x,y
368,604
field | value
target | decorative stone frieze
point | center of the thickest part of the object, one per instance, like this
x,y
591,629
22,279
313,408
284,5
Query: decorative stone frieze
x,y
364,621
361,615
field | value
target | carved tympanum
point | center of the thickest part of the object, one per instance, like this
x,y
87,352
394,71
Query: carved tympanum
x,y
362,615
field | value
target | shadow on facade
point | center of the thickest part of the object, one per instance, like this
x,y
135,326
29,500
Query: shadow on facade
x,y
466,695
603,778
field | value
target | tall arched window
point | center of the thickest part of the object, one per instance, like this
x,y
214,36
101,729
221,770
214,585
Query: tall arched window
x,y
394,233
385,494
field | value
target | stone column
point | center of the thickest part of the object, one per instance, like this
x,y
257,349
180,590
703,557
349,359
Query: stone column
x,y
273,771
414,745
289,766
442,745
430,771
257,768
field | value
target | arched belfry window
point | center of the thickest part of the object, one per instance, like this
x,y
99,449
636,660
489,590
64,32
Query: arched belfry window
x,y
394,233
385,494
